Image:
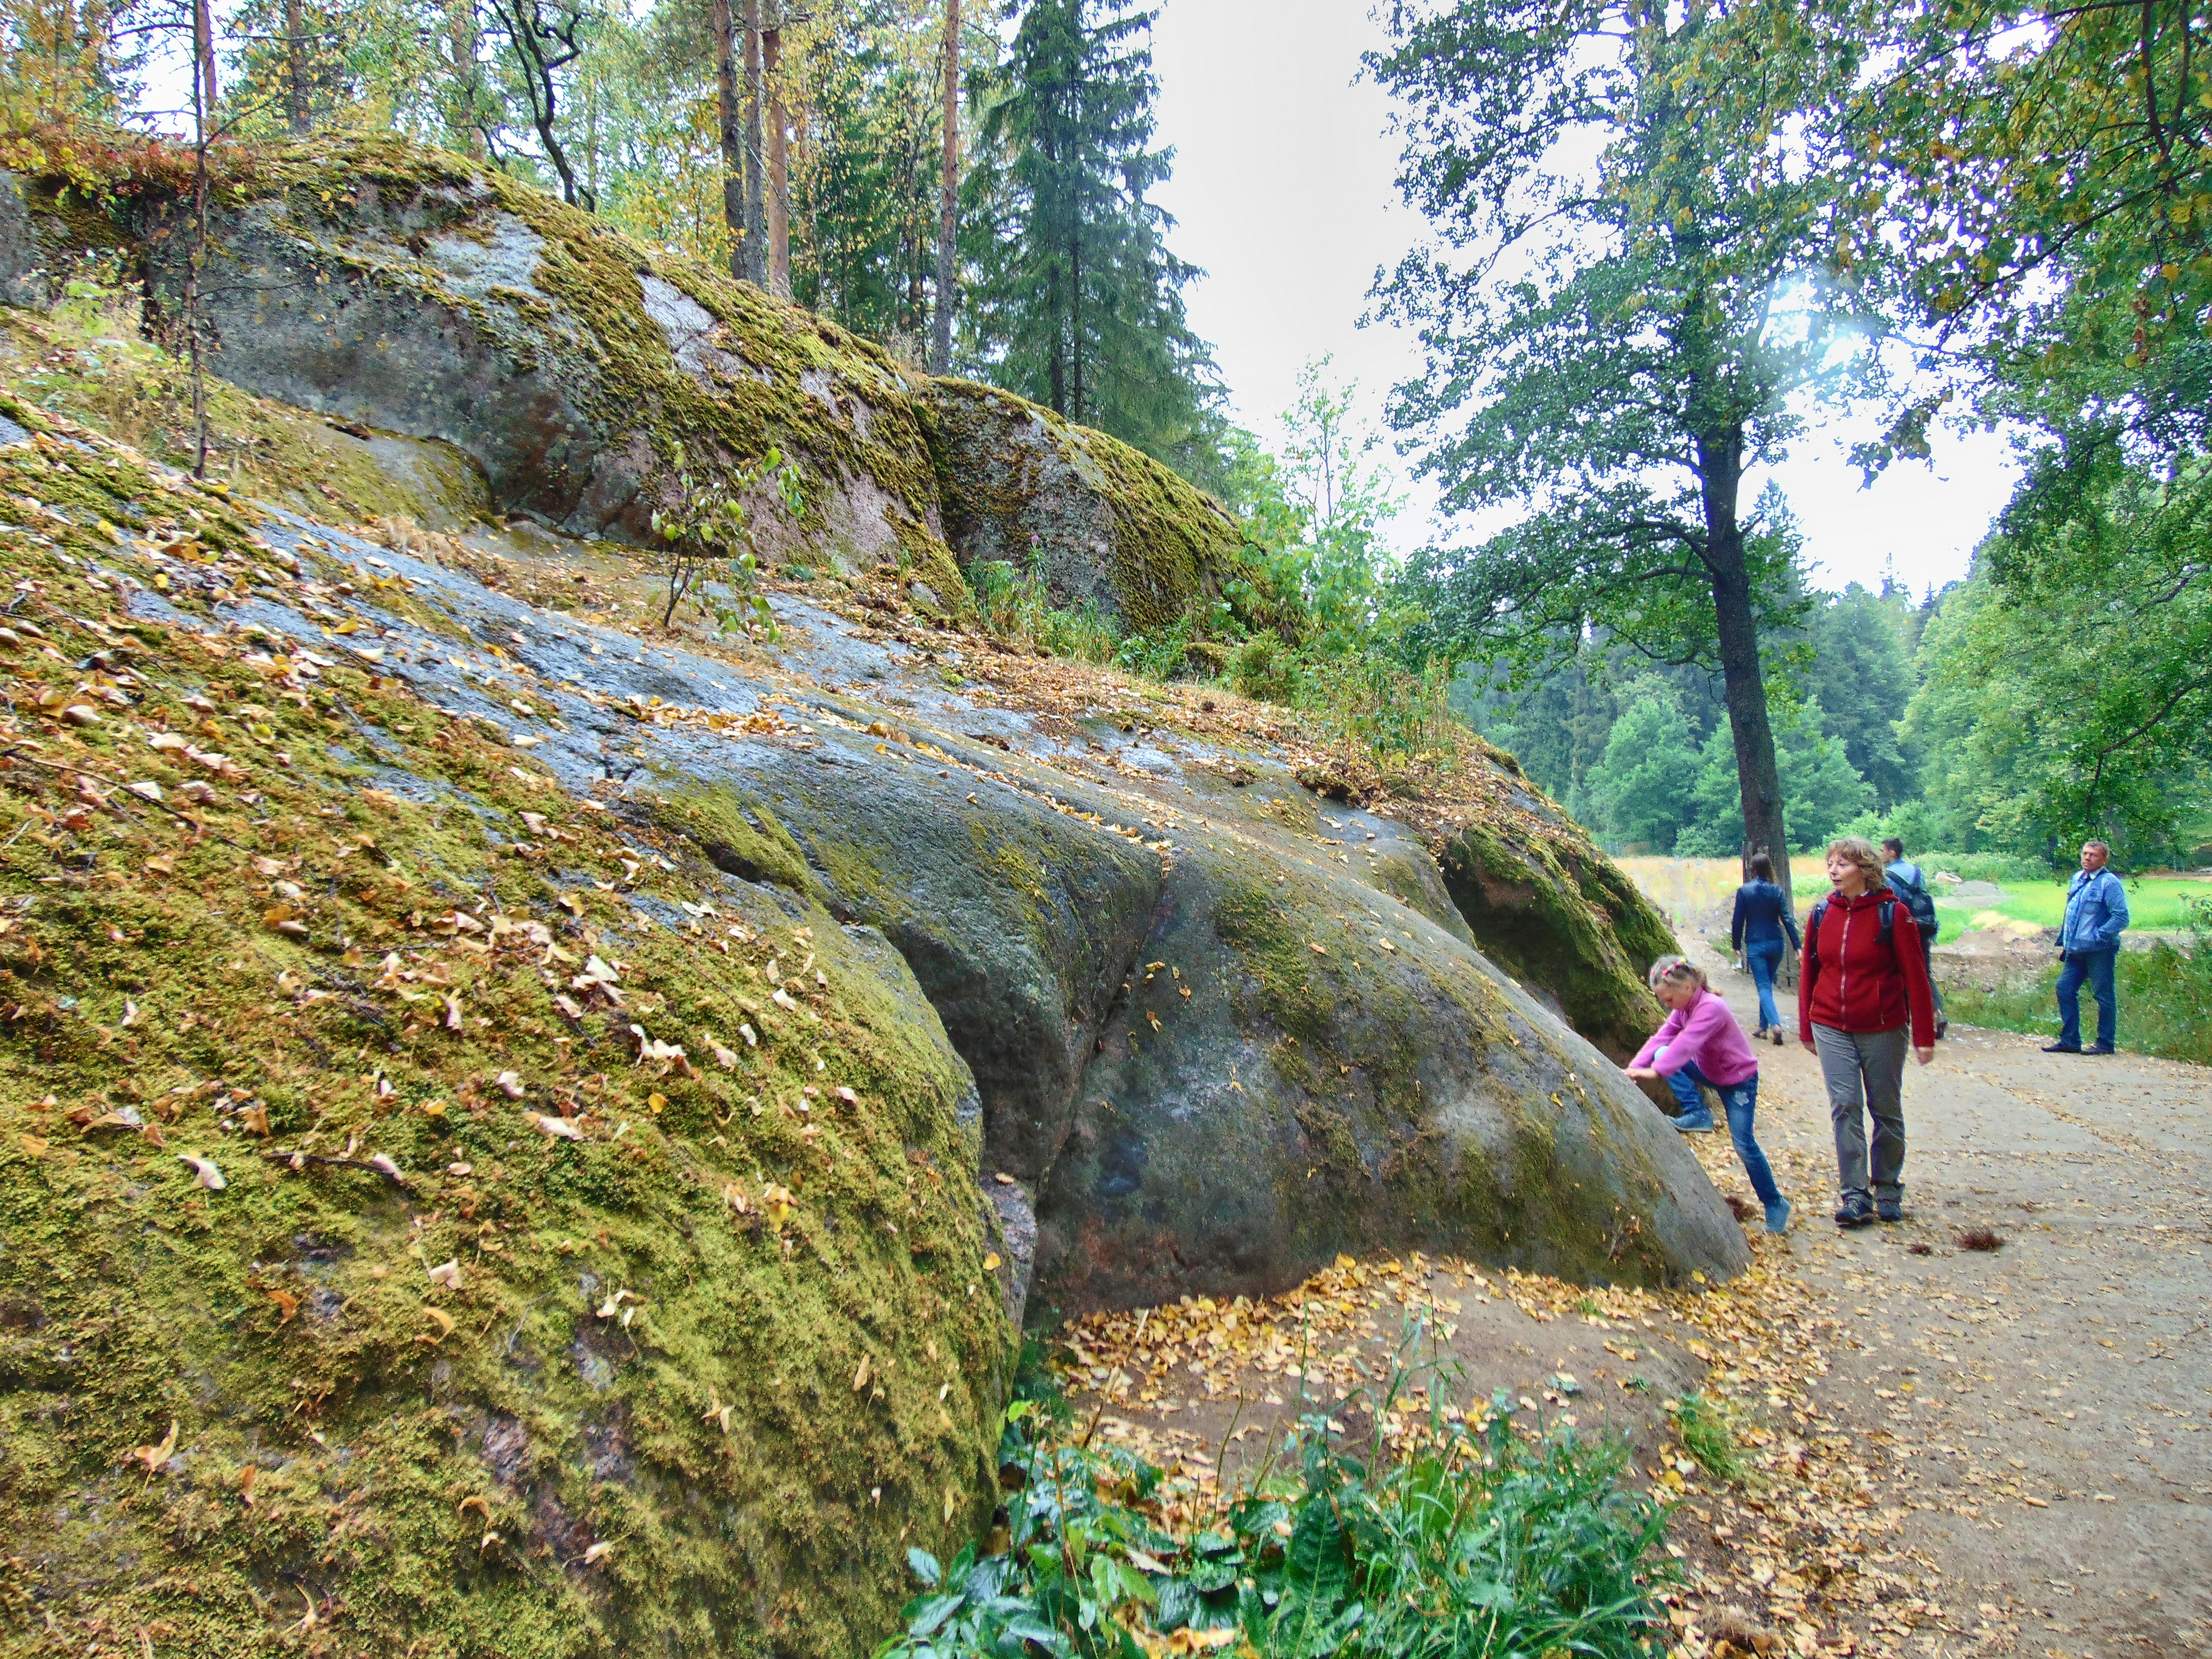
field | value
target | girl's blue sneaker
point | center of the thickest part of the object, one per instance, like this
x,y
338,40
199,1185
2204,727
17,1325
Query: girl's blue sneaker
x,y
1777,1216
1701,1125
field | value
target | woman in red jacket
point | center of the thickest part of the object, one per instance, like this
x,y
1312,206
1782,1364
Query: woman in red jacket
x,y
1864,982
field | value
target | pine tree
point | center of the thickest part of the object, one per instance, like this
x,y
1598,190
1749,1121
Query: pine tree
x,y
1077,302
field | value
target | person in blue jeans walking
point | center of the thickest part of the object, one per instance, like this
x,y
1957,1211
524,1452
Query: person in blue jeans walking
x,y
1700,1044
2088,945
1762,921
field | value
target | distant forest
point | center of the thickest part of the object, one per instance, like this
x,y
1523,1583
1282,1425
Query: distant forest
x,y
1891,716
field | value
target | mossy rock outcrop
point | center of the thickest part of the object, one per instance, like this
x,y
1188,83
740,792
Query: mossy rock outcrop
x,y
418,292
422,1229
1107,526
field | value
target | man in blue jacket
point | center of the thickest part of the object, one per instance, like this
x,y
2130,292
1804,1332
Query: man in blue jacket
x,y
2089,944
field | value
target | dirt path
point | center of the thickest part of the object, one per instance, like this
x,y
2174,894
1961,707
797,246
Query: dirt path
x,y
2039,1419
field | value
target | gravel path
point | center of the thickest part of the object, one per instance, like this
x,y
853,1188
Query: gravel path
x,y
2037,1418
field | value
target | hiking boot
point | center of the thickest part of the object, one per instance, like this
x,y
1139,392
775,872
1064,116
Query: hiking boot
x,y
1693,1125
2061,1048
1777,1036
2099,1049
1857,1211
1891,1209
1777,1216
1942,1030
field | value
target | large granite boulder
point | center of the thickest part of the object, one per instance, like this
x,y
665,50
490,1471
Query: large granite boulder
x,y
416,292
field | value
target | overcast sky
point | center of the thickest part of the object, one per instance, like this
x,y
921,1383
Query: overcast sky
x,y
1284,190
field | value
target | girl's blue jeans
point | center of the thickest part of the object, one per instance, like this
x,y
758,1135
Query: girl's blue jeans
x,y
1742,1101
1763,960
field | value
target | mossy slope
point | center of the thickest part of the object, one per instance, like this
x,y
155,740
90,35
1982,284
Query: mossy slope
x,y
1108,526
422,1375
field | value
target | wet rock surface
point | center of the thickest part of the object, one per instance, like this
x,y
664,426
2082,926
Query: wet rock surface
x,y
1208,1032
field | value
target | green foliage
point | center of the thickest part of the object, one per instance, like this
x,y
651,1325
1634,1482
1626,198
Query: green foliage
x,y
1018,606
2068,692
711,526
1820,788
2010,151
1076,303
1642,784
1862,675
1672,314
1707,1436
1484,1544
1263,668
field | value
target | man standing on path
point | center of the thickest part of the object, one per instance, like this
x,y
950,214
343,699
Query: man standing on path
x,y
2090,945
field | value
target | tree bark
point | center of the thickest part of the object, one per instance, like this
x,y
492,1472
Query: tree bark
x,y
779,165
1059,365
204,61
756,184
940,343
464,114
1759,778
729,120
1075,319
299,107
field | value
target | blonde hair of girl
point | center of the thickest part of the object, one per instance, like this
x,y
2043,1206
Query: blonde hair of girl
x,y
1676,970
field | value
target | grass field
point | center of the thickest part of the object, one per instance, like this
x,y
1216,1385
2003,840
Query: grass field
x,y
1687,888
2161,904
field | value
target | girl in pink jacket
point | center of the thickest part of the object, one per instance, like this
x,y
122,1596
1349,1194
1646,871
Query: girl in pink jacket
x,y
1701,1043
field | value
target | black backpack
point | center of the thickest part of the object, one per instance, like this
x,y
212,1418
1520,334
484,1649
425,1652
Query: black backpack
x,y
1887,931
1917,899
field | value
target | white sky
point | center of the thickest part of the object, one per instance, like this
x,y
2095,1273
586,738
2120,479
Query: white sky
x,y
1283,186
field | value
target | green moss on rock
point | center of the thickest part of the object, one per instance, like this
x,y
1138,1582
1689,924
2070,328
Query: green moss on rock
x,y
392,1367
1107,523
1554,912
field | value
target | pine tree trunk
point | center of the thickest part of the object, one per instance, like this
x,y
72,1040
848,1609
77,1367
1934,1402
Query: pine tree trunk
x,y
299,107
1075,318
1059,366
940,343
465,41
1759,779
756,184
730,123
778,166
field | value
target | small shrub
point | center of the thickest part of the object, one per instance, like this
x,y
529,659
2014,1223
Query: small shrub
x,y
1262,669
1980,1238
1707,1438
1485,1544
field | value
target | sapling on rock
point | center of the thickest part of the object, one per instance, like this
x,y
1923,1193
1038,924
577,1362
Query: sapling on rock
x,y
712,523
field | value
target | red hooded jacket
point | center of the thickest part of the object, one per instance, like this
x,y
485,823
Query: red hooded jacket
x,y
1852,981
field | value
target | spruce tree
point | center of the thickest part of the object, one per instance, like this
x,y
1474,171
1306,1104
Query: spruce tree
x,y
1077,302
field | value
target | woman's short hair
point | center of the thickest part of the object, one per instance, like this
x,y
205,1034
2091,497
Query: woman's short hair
x,y
1676,970
1762,867
1860,851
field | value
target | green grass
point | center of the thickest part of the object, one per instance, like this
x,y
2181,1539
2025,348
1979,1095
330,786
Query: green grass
x,y
2155,903
2165,997
2161,904
1707,1438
